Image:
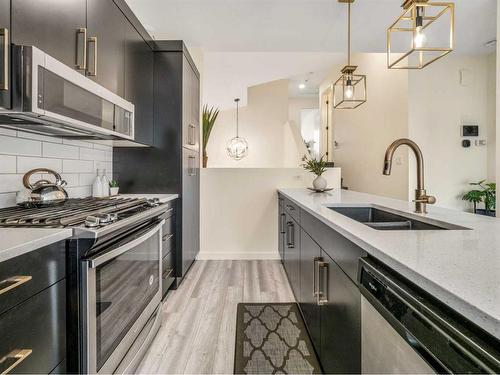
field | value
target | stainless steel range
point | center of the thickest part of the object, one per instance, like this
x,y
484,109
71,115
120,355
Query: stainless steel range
x,y
114,276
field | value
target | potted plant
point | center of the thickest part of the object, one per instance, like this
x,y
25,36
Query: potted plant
x,y
318,167
208,119
113,187
486,194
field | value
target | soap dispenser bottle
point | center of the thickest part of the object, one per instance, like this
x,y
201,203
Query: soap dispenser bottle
x,y
105,184
97,185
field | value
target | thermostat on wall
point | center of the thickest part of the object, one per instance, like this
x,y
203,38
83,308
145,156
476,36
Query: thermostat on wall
x,y
470,131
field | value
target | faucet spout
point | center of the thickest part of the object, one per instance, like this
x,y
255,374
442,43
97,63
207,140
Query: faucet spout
x,y
421,198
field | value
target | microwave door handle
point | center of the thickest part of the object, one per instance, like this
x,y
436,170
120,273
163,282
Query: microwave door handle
x,y
93,263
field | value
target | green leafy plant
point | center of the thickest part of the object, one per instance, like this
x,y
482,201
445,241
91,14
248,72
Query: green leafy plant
x,y
113,184
486,193
318,167
209,117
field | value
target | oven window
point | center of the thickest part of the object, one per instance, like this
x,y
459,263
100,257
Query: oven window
x,y
124,287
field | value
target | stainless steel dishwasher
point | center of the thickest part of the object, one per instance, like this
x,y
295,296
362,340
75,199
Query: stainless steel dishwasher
x,y
405,330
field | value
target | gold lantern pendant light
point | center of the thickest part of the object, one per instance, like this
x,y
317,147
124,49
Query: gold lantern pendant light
x,y
419,27
349,91
237,148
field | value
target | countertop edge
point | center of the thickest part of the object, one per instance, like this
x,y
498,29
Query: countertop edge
x,y
469,311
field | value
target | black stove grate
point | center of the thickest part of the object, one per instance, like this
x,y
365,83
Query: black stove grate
x,y
70,213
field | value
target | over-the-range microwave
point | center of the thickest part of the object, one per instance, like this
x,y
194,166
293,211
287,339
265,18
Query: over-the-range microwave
x,y
50,98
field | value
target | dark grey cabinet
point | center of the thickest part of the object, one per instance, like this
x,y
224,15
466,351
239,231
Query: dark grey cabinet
x,y
106,53
340,351
51,26
292,254
5,31
139,83
310,255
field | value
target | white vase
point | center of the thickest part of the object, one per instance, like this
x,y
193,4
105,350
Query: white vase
x,y
114,190
319,182
97,187
105,184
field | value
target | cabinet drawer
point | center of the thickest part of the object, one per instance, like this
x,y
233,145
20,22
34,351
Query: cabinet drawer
x,y
36,331
168,244
344,252
169,226
23,276
292,209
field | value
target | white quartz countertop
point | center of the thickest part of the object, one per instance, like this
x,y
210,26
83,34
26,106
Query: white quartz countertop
x,y
18,241
459,267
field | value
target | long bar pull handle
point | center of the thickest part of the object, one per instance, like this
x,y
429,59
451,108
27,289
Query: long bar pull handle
x,y
288,241
17,356
282,223
4,74
191,134
322,297
191,168
292,235
315,276
13,282
92,56
81,48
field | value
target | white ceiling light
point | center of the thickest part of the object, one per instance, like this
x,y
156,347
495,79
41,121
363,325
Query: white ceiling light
x,y
302,86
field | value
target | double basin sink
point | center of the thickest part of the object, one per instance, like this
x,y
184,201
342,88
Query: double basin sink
x,y
384,220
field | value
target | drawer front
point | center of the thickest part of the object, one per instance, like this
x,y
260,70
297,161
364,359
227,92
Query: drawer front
x,y
34,333
28,274
345,253
167,271
168,244
292,209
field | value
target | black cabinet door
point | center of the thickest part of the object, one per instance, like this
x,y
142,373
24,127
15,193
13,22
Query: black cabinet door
x,y
107,24
5,53
139,83
190,209
310,254
292,254
51,25
340,320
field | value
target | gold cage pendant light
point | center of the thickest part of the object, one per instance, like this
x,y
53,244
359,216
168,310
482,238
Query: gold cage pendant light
x,y
349,91
420,28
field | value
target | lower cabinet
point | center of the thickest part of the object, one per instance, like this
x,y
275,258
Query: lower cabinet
x,y
329,299
292,254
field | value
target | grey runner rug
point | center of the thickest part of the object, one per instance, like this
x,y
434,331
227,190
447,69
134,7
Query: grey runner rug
x,y
271,338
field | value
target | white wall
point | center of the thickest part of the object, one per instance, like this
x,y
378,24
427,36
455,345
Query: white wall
x,y
261,124
438,106
239,209
76,161
363,134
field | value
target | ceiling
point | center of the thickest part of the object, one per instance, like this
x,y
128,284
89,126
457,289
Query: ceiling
x,y
298,25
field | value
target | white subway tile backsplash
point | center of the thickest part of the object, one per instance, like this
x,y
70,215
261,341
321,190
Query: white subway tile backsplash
x,y
54,150
92,154
7,164
20,146
76,161
25,164
78,166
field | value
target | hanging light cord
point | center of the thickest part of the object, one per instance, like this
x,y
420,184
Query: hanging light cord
x,y
237,118
349,34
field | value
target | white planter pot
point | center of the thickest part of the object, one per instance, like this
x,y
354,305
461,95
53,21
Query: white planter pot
x,y
114,190
319,182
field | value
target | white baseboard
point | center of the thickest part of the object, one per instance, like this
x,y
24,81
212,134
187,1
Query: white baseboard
x,y
271,255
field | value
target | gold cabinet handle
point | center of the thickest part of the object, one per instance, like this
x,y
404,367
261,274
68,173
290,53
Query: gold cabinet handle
x,y
322,296
92,56
18,355
191,134
316,275
13,282
81,48
4,79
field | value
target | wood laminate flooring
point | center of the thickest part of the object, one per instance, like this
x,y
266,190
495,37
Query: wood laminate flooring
x,y
199,319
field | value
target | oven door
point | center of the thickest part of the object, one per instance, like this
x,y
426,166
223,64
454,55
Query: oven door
x,y
123,290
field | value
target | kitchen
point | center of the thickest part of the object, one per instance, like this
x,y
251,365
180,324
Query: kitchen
x,y
168,275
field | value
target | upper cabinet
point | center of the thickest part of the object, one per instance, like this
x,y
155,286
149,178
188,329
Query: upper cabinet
x,y
106,45
139,61
4,53
52,26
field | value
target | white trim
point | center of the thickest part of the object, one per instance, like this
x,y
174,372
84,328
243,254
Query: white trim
x,y
269,255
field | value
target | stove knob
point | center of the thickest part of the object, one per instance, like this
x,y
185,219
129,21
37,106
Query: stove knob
x,y
92,221
153,202
113,217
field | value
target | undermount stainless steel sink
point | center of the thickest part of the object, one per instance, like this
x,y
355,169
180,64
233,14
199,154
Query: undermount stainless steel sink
x,y
383,220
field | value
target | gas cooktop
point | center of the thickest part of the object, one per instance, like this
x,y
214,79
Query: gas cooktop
x,y
90,213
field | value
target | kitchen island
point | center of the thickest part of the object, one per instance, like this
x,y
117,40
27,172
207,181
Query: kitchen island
x,y
459,267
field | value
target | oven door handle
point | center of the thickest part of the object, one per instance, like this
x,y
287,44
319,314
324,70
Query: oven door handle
x,y
95,262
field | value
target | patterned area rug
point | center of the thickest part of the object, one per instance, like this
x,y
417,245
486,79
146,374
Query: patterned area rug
x,y
271,338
